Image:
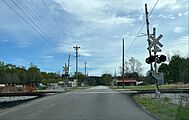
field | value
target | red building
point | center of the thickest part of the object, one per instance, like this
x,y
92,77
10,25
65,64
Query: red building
x,y
127,82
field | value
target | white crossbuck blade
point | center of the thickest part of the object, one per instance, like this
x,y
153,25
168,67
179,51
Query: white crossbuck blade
x,y
154,42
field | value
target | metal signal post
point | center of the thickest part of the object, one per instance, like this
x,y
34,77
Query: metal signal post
x,y
76,74
154,46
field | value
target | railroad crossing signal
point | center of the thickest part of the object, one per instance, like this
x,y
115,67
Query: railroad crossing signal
x,y
158,59
159,77
154,42
150,59
161,58
65,69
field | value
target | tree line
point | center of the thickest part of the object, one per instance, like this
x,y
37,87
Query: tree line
x,y
10,73
175,70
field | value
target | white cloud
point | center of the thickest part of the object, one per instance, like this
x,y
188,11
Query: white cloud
x,y
180,14
178,30
47,57
177,45
170,4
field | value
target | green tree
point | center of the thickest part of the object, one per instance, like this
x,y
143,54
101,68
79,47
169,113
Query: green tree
x,y
164,68
22,74
33,74
2,72
106,79
81,78
177,68
148,78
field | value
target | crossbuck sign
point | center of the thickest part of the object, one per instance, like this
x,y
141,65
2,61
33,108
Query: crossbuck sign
x,y
154,42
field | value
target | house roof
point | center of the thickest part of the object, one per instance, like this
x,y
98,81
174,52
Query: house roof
x,y
128,80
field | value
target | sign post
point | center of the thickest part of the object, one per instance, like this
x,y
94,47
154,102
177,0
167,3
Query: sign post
x,y
155,47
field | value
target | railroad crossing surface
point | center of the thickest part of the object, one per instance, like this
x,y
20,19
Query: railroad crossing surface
x,y
97,103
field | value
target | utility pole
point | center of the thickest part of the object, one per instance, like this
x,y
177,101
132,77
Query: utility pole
x,y
65,75
154,43
68,63
115,74
85,69
148,32
85,72
76,74
123,65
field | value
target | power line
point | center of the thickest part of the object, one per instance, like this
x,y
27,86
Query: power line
x,y
38,20
33,16
34,23
27,22
135,38
39,31
55,21
62,17
39,17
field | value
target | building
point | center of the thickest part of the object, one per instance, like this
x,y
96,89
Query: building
x,y
127,82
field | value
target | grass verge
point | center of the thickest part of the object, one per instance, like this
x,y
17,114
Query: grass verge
x,y
162,109
152,87
74,89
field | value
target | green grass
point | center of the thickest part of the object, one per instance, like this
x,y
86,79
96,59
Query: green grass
x,y
74,89
151,87
163,109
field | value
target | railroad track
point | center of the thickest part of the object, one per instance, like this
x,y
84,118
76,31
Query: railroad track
x,y
163,91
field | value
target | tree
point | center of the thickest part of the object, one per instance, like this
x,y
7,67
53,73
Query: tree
x,y
81,78
148,78
106,79
133,68
33,74
164,68
135,65
2,72
22,74
10,74
177,68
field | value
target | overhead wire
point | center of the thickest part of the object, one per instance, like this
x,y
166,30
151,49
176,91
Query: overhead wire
x,y
62,29
34,26
28,23
40,18
41,23
40,29
135,38
28,10
66,23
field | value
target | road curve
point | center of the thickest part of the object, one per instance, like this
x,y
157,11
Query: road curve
x,y
97,103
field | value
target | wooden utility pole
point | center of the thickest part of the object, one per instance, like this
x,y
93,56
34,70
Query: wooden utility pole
x,y
115,74
86,72
85,69
148,32
76,73
68,63
123,61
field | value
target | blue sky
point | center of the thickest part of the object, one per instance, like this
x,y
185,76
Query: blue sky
x,y
97,26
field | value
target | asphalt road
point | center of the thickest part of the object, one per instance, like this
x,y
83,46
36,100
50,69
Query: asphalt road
x,y
97,103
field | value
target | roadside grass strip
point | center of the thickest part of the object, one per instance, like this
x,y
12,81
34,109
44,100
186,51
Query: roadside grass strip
x,y
152,87
162,108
